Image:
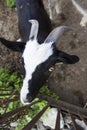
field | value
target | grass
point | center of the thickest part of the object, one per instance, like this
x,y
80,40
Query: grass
x,y
13,81
11,3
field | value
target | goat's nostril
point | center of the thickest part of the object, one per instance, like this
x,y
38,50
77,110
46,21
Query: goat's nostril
x,y
24,101
29,98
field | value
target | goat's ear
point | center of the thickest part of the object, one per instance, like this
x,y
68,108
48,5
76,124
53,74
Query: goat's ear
x,y
13,45
34,29
56,34
66,58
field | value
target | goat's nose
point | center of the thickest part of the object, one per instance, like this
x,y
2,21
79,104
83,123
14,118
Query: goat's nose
x,y
25,102
29,98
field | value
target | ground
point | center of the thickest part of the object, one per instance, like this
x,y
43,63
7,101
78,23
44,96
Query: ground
x,y
68,81
8,30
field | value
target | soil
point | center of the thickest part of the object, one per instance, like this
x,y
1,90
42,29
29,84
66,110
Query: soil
x,y
9,30
68,81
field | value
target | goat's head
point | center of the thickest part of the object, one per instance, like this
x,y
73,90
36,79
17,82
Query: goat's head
x,y
38,58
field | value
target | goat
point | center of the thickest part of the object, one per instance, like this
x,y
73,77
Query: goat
x,y
39,52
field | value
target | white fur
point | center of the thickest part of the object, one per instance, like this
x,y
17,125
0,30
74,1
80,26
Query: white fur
x,y
34,54
24,92
81,11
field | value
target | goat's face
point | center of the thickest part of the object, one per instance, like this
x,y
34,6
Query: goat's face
x,y
38,58
35,57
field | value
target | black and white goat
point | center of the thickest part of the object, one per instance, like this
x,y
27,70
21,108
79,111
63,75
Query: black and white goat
x,y
39,50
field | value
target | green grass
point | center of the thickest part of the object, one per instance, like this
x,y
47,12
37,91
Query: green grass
x,y
11,3
10,80
13,81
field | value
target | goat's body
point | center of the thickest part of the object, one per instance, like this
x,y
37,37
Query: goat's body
x,y
33,9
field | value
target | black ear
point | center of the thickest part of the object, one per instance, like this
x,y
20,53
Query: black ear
x,y
13,45
66,58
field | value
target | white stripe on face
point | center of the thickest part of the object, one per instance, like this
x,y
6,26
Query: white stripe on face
x,y
34,54
24,92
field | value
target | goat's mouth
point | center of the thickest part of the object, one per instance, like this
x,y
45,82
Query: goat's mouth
x,y
27,100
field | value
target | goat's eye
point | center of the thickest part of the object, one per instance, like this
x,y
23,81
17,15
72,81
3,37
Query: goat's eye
x,y
51,69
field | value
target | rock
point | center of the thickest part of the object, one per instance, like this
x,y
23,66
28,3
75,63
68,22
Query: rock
x,y
81,124
69,82
14,124
49,120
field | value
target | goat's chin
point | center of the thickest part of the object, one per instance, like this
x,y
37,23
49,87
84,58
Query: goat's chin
x,y
25,104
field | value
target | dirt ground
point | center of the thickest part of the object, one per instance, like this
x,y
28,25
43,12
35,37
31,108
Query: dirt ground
x,y
8,30
68,81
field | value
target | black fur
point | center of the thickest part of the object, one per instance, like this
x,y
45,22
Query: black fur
x,y
27,10
33,9
13,45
